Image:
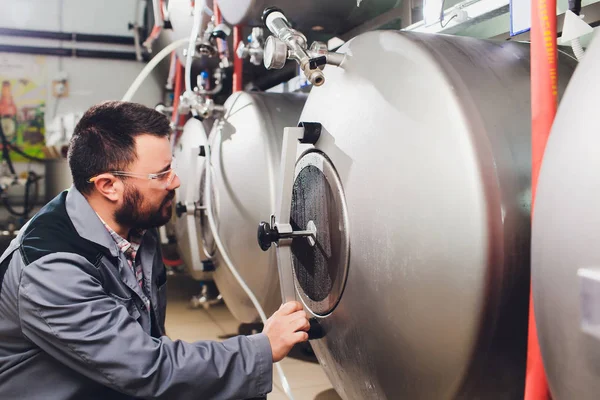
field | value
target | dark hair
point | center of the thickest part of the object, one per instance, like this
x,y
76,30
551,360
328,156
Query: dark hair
x,y
104,139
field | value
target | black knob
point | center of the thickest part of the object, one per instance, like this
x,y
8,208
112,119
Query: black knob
x,y
316,62
180,209
266,235
219,34
316,330
268,11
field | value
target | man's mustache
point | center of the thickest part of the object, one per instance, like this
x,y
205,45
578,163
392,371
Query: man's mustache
x,y
170,196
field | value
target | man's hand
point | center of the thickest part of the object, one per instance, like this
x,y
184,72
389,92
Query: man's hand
x,y
286,327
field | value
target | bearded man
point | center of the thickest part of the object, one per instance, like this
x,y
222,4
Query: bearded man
x,y
83,286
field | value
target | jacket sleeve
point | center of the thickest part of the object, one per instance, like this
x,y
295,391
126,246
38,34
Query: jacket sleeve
x,y
65,311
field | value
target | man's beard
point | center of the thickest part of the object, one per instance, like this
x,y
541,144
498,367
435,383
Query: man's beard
x,y
133,215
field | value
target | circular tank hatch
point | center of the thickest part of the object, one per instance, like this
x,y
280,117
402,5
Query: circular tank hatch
x,y
318,204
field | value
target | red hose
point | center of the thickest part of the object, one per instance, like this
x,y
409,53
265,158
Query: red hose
x,y
177,90
544,95
238,63
217,11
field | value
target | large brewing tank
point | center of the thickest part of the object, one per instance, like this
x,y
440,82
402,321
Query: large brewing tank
x,y
318,16
419,190
566,233
245,160
190,220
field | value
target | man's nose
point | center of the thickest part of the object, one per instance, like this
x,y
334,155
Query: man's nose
x,y
175,184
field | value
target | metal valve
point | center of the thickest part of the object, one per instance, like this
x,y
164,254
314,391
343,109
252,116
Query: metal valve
x,y
288,43
254,50
268,234
188,208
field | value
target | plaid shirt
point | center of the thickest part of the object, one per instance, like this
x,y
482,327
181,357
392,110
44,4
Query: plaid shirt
x,y
130,248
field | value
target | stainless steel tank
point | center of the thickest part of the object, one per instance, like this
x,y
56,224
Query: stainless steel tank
x,y
246,151
316,16
566,233
419,190
188,225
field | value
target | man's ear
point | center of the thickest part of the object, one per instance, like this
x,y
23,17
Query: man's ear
x,y
109,186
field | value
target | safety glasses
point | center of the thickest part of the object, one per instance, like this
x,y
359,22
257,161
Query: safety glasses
x,y
162,179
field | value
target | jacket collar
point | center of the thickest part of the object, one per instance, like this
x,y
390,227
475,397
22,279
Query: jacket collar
x,y
87,223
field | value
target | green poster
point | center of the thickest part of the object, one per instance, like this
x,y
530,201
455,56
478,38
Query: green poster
x,y
23,86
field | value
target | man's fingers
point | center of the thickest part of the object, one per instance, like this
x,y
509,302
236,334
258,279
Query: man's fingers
x,y
289,308
297,315
300,336
301,324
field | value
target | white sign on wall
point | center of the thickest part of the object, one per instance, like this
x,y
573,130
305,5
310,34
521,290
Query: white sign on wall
x,y
520,16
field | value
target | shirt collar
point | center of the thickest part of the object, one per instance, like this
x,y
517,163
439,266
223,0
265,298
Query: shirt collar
x,y
135,237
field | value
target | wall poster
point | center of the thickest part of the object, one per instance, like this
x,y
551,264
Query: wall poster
x,y
23,85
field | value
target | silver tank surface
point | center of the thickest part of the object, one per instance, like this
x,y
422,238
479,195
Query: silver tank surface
x,y
423,167
566,234
246,152
188,227
318,16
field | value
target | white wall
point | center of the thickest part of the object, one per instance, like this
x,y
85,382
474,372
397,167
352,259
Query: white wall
x,y
83,16
92,81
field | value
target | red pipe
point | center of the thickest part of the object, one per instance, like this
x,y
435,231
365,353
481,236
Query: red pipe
x,y
544,96
178,89
238,63
217,12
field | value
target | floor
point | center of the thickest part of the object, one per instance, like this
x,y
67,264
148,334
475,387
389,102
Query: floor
x,y
305,376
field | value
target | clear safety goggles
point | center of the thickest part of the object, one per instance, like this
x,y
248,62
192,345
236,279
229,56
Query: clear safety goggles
x,y
162,179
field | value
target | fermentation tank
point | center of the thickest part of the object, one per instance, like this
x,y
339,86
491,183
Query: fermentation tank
x,y
418,189
245,151
566,233
191,220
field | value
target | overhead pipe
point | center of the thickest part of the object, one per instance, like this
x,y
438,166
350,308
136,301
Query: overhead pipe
x,y
66,52
544,99
68,36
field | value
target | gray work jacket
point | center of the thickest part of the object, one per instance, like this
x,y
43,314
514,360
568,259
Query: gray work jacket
x,y
73,324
